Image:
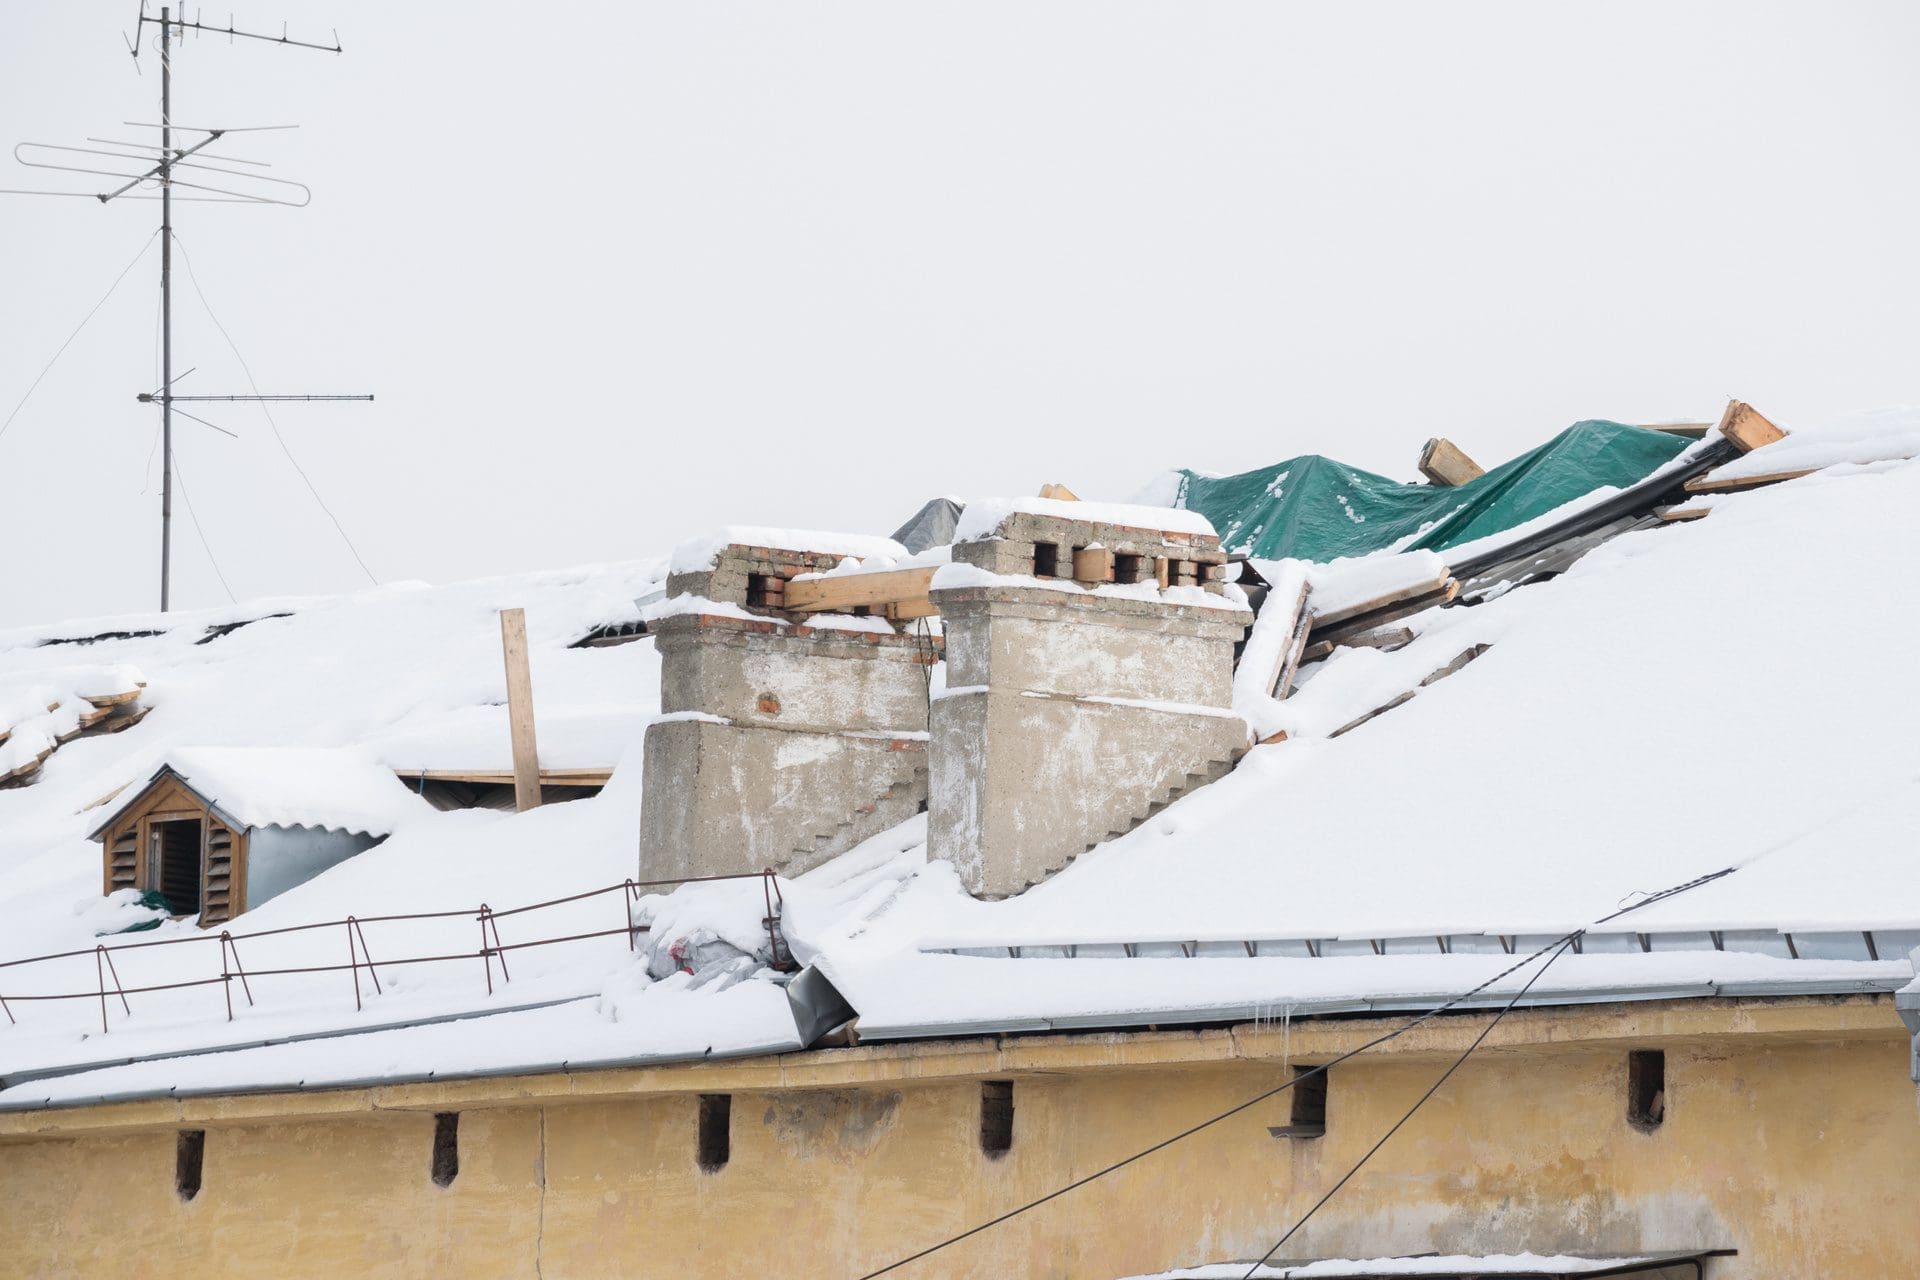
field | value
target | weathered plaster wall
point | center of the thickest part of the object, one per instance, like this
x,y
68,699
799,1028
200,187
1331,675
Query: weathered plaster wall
x,y
1023,784
1090,646
821,745
1791,1135
786,677
1066,717
725,799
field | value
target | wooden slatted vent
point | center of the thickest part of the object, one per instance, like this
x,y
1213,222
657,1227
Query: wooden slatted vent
x,y
217,905
123,865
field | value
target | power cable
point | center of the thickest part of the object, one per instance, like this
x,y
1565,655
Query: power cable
x,y
305,479
144,245
204,546
1421,1102
1563,941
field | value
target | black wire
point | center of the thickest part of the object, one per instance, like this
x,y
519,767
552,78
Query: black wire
x,y
305,479
1431,1090
1562,941
76,331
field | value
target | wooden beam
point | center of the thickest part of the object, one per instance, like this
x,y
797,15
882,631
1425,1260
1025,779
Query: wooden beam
x,y
1680,512
1713,482
1387,609
125,718
1691,430
526,754
1747,427
845,591
1444,463
1388,638
1280,616
1380,710
1412,591
1458,661
1093,565
1059,493
908,610
503,777
1296,653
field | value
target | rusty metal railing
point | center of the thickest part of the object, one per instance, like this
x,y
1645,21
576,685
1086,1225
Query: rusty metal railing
x,y
492,948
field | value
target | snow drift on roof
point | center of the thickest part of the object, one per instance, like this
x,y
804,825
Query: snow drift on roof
x,y
298,787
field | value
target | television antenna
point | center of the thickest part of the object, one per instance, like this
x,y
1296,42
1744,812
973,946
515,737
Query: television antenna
x,y
149,171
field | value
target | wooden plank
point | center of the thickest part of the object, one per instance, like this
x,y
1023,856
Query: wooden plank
x,y
1059,493
1747,427
502,777
112,699
1282,615
105,798
1093,564
1714,483
854,590
526,753
1680,513
242,869
1459,660
1387,638
908,610
1444,463
125,718
1296,653
1398,606
1382,709
1361,608
1691,430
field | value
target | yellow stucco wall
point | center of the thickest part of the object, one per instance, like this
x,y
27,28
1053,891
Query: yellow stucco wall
x,y
1792,1134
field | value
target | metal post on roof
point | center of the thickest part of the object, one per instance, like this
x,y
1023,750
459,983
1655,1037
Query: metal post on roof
x,y
166,305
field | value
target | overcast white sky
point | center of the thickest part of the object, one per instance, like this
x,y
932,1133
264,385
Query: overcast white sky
x,y
619,273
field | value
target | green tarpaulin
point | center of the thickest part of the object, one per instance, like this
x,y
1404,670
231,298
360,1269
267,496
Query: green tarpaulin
x,y
1315,508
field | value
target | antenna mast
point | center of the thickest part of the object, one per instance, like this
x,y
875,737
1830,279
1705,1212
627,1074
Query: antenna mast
x,y
240,187
166,297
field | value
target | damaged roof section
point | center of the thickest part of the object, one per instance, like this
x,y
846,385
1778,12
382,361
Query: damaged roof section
x,y
1315,508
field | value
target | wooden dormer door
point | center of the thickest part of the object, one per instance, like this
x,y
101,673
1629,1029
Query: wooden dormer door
x,y
174,865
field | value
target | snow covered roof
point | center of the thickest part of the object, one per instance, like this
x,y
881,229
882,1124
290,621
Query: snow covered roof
x,y
1731,694
329,788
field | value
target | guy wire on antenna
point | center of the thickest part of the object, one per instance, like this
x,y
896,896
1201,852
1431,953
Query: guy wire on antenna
x,y
139,168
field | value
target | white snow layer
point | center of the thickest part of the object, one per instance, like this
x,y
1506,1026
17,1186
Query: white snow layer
x,y
327,787
698,554
983,516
